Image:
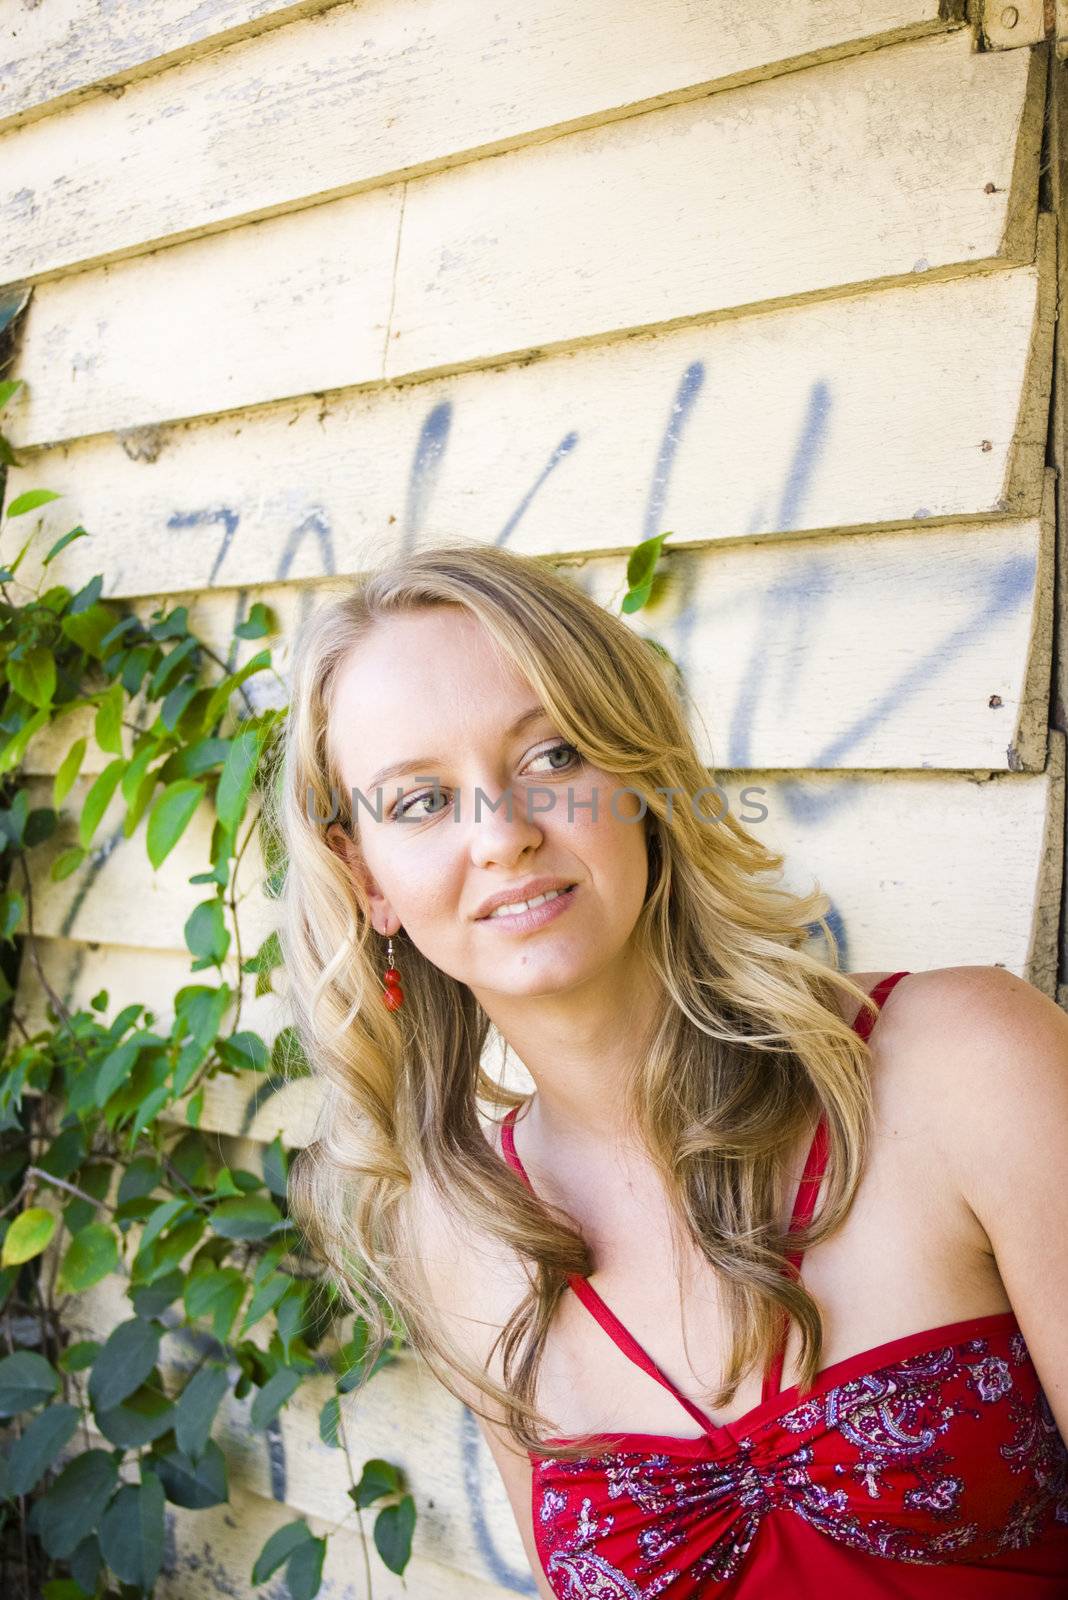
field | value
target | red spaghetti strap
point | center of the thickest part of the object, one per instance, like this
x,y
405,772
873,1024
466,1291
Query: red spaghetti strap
x,y
865,1022
598,1309
809,1186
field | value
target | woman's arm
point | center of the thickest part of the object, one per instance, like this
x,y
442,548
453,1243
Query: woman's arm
x,y
998,1050
516,1475
474,1290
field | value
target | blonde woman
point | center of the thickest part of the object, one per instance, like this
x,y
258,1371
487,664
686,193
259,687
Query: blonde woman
x,y
496,819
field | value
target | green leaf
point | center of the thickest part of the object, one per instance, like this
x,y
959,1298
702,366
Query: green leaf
x,y
194,1485
87,597
39,1446
61,544
91,1255
116,1068
142,1417
170,1250
276,1168
149,1299
264,962
28,1235
273,1396
108,724
66,1152
139,804
279,1547
76,1357
85,1564
170,816
394,1527
330,1422
265,1298
33,676
30,500
66,862
87,628
377,1479
25,1380
251,1217
642,561
220,698
129,1354
8,389
245,1051
197,1405
163,1215
15,749
141,1176
69,770
236,778
215,1293
98,799
206,934
260,622
135,772
167,668
201,1009
73,1506
131,1532
304,1574
176,702
11,909
173,625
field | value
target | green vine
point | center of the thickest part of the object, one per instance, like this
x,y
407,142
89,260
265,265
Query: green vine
x,y
107,1186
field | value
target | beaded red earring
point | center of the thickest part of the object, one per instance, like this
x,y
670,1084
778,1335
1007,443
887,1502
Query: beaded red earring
x,y
393,997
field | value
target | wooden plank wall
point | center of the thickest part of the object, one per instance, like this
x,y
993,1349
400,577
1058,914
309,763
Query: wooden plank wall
x,y
313,283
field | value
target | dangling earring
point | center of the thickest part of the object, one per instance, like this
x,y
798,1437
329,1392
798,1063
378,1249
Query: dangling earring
x,y
393,997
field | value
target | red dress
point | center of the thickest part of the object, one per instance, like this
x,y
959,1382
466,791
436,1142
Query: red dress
x,y
928,1466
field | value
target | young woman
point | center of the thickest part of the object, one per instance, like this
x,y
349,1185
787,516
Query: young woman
x,y
496,818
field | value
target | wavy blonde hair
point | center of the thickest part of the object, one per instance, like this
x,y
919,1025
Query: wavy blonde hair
x,y
748,1049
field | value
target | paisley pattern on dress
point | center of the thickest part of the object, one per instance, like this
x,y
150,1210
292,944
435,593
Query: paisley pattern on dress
x,y
876,1463
944,1458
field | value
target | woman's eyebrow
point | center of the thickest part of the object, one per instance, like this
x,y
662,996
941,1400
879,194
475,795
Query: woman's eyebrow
x,y
397,769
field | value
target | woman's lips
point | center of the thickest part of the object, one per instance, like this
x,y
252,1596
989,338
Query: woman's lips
x,y
534,916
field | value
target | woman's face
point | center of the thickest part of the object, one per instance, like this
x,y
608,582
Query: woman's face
x,y
427,694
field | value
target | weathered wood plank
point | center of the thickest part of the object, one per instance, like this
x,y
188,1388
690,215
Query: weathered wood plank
x,y
210,1553
921,158
64,51
842,199
891,407
209,320
361,95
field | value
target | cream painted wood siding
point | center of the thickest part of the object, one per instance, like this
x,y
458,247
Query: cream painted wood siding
x,y
317,282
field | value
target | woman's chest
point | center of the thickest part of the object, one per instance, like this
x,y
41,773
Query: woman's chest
x,y
907,1258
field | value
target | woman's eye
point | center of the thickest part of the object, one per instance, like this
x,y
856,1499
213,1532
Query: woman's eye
x,y
404,807
569,749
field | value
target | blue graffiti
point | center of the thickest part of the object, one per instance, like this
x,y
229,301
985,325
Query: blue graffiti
x,y
497,1567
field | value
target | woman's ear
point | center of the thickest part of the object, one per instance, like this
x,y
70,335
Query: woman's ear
x,y
349,853
340,843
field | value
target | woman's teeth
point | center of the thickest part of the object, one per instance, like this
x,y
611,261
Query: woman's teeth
x,y
525,905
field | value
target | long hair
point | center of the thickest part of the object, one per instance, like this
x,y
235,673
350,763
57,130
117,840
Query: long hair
x,y
747,1051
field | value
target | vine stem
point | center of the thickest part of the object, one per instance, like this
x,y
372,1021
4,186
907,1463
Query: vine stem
x,y
61,1183
31,939
359,1514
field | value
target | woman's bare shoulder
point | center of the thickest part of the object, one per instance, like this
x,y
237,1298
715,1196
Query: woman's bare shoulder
x,y
474,1277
